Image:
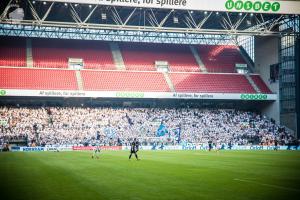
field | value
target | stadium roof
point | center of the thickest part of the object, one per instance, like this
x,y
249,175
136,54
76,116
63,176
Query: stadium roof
x,y
64,19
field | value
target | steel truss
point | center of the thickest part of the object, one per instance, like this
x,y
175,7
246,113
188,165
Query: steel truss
x,y
112,35
98,22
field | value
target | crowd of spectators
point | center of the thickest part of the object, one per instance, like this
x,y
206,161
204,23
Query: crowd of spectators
x,y
118,126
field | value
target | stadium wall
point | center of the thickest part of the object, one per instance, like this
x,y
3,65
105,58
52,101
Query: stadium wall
x,y
266,54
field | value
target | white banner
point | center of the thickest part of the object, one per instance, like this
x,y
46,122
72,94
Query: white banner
x,y
136,95
163,147
191,146
250,6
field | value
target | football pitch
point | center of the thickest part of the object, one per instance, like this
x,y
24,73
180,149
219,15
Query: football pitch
x,y
171,175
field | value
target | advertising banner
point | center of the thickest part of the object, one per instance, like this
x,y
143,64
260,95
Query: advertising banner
x,y
15,148
138,95
187,146
191,146
259,6
89,148
59,148
32,149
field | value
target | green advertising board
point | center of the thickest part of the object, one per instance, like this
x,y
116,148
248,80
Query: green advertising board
x,y
254,96
257,6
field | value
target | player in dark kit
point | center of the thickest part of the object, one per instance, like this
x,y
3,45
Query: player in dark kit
x,y
134,148
209,145
276,145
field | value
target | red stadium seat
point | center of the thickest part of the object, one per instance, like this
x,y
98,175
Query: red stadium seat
x,y
142,57
12,52
213,83
55,53
220,58
39,79
261,84
124,81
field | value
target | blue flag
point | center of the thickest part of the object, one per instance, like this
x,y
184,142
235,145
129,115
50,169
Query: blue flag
x,y
178,133
161,131
110,132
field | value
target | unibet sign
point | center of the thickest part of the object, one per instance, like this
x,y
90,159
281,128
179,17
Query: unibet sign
x,y
252,5
254,96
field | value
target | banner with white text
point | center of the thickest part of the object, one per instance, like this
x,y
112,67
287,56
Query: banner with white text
x,y
137,95
250,6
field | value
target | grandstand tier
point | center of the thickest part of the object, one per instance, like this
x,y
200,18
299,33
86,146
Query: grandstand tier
x,y
214,83
124,81
261,84
55,53
24,78
95,80
140,74
220,58
142,56
12,52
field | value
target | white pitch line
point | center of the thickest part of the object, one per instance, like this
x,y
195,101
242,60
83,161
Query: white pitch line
x,y
268,185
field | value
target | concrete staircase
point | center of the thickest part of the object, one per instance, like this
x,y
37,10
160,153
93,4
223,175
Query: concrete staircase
x,y
169,82
117,56
79,80
252,83
198,59
29,60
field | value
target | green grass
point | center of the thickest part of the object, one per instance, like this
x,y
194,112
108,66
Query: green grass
x,y
159,175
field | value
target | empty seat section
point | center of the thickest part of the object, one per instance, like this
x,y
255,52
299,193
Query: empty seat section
x,y
261,84
55,53
220,58
40,79
12,51
124,81
213,83
142,56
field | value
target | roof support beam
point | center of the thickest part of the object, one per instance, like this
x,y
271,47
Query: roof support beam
x,y
148,20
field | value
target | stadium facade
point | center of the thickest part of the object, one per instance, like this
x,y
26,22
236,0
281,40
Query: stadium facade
x,y
232,54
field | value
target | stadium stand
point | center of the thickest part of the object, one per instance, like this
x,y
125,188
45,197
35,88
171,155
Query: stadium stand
x,y
218,83
12,51
55,53
124,81
76,125
260,84
142,57
139,59
220,58
24,78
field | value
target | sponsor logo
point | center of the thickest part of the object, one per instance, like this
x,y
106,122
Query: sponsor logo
x,y
32,149
248,5
82,148
111,148
89,148
15,148
256,147
189,146
52,149
2,92
272,147
130,94
254,96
